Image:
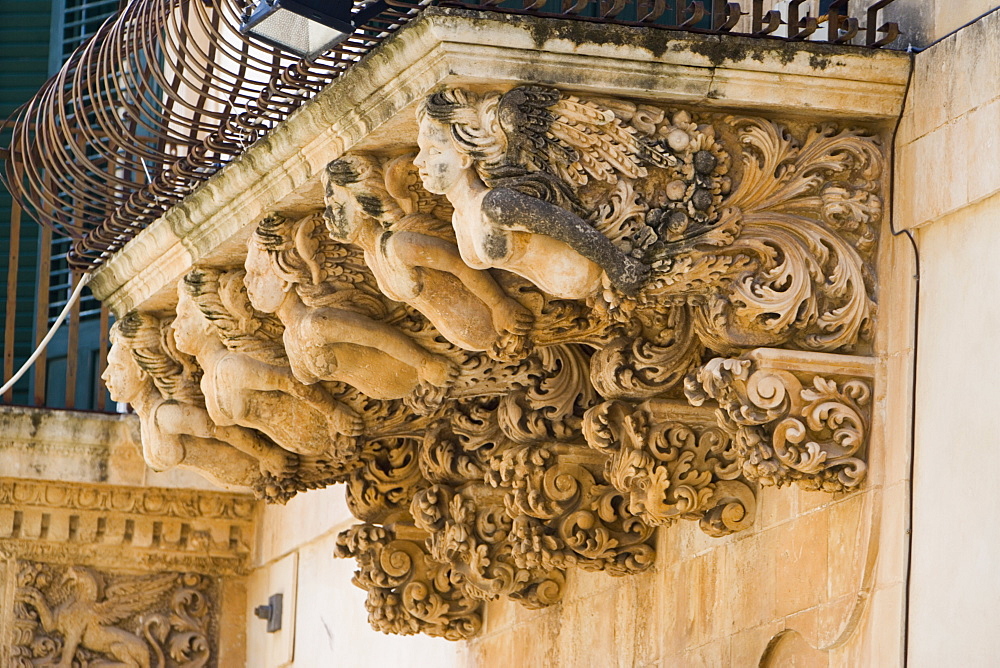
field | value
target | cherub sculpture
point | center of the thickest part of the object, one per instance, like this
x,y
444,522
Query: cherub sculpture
x,y
145,370
511,166
87,615
337,328
247,381
413,254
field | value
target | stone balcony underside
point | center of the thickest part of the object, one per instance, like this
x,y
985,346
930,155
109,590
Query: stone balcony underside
x,y
531,289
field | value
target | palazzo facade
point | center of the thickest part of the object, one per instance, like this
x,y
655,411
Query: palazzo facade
x,y
534,341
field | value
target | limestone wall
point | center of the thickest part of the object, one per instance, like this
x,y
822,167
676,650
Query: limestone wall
x,y
325,622
93,545
948,178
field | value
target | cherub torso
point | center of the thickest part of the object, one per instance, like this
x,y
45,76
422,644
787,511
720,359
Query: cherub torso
x,y
548,263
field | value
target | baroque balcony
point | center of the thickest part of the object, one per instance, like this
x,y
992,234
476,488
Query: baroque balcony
x,y
537,289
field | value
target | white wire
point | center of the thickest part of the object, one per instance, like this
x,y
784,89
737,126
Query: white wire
x,y
84,279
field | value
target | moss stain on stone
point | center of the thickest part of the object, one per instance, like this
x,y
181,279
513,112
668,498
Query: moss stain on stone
x,y
718,49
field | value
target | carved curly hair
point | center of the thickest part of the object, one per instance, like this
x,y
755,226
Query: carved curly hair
x,y
323,272
362,176
221,297
150,341
474,126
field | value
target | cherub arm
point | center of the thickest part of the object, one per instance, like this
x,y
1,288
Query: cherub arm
x,y
422,250
512,210
271,378
351,327
178,418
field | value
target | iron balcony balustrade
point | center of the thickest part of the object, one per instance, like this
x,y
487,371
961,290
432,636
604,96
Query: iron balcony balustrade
x,y
169,91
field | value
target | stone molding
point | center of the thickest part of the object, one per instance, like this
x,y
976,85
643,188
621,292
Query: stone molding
x,y
530,330
111,526
371,104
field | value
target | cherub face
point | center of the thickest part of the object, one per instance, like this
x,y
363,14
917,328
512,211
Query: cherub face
x,y
439,163
122,377
265,288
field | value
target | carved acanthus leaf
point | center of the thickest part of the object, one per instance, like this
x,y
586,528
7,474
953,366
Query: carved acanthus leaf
x,y
565,514
408,592
793,417
387,477
672,462
471,531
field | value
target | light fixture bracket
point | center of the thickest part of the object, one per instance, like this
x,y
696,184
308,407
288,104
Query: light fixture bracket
x,y
307,28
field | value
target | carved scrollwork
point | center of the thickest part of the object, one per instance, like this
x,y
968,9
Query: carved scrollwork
x,y
408,592
672,463
788,260
387,477
789,425
565,514
472,531
77,615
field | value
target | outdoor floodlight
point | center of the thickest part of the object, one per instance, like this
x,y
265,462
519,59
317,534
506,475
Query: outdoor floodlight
x,y
306,27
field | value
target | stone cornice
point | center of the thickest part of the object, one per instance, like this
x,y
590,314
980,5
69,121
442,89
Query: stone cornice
x,y
126,527
446,47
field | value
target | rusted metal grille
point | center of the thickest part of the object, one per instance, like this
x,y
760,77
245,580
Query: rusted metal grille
x,y
169,91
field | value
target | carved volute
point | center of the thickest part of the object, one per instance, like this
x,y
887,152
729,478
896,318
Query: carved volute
x,y
530,335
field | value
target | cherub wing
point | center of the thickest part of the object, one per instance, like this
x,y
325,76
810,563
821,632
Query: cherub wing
x,y
574,139
132,595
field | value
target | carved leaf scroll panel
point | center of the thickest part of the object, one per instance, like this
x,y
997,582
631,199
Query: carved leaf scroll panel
x,y
77,615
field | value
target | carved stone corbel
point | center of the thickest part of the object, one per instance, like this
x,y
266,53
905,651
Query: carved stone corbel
x,y
490,341
793,416
408,591
672,461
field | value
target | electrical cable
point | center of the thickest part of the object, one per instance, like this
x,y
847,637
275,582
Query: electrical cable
x,y
920,49
84,279
913,380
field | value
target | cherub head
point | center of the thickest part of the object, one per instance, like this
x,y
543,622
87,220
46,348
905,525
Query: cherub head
x,y
212,305
357,199
123,377
455,135
143,350
285,254
460,130
192,328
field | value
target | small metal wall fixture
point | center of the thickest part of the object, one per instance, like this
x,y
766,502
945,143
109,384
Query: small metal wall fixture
x,y
270,612
169,91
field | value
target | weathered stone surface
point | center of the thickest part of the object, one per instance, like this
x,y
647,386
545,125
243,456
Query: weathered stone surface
x,y
500,341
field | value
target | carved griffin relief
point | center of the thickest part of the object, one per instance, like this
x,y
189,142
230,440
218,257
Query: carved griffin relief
x,y
77,616
550,326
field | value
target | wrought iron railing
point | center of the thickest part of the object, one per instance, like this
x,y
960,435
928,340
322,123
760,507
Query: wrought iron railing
x,y
169,92
68,373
